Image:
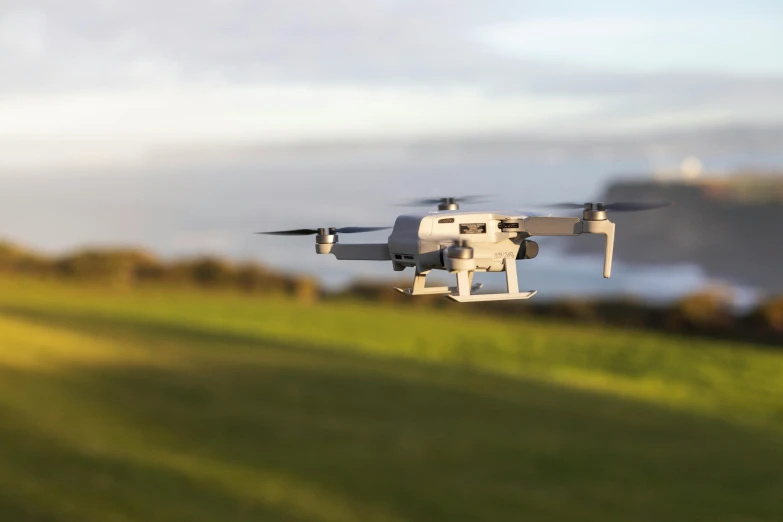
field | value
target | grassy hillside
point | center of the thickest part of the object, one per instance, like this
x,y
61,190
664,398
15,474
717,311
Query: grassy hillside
x,y
174,405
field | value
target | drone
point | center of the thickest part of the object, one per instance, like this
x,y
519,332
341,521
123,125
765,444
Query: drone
x,y
463,242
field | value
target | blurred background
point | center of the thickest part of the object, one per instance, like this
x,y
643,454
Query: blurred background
x,y
162,362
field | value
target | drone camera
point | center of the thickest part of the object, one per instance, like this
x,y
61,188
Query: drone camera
x,y
528,250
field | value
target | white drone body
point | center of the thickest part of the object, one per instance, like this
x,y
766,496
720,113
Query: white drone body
x,y
465,242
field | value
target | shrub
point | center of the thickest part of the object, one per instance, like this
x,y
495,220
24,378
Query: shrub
x,y
253,278
710,308
771,314
305,290
15,259
212,272
117,267
580,309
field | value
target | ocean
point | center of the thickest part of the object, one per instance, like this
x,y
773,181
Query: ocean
x,y
176,208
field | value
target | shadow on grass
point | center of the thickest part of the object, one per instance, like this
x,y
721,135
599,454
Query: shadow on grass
x,y
415,441
44,479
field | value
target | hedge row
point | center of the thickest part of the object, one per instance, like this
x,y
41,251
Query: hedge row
x,y
705,313
133,267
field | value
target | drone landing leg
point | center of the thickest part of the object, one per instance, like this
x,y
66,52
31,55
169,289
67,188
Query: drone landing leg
x,y
420,288
512,285
463,283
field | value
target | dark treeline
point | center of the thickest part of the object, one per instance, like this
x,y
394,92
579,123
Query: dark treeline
x,y
133,267
708,313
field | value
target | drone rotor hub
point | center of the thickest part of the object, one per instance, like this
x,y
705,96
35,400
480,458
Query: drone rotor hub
x,y
594,212
325,239
448,204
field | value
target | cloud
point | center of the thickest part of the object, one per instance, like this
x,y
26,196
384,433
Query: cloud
x,y
103,42
100,65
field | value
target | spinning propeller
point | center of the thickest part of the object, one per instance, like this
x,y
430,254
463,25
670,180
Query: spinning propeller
x,y
322,231
447,203
623,206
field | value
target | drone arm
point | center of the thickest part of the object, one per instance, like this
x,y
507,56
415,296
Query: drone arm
x,y
360,252
553,226
561,226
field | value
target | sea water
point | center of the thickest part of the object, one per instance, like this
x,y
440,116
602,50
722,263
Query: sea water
x,y
214,207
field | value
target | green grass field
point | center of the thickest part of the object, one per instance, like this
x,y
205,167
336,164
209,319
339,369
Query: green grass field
x,y
188,406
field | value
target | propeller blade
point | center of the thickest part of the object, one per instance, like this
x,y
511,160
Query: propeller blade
x,y
620,206
359,230
630,206
313,231
567,206
436,201
295,232
472,199
421,202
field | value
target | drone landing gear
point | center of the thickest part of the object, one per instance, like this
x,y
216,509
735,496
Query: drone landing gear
x,y
419,287
463,294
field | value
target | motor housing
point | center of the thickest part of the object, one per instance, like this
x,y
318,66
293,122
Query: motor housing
x,y
460,257
324,240
594,212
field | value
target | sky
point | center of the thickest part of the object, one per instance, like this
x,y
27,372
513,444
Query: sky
x,y
94,92
95,76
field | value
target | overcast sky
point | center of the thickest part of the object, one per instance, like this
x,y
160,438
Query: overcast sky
x,y
141,71
91,84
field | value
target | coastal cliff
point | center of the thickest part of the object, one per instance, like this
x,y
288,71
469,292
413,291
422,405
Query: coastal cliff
x,y
732,227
